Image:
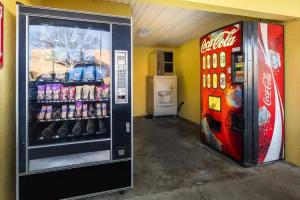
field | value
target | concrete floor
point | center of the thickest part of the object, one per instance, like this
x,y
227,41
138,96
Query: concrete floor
x,y
170,163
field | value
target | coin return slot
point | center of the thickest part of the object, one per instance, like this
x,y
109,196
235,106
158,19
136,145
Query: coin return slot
x,y
122,97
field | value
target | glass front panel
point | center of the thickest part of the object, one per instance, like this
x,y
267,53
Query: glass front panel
x,y
69,81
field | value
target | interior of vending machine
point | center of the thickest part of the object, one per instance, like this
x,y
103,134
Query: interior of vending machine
x,y
69,82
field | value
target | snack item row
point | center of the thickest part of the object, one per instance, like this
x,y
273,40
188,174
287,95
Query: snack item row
x,y
87,73
78,73
71,128
71,111
60,92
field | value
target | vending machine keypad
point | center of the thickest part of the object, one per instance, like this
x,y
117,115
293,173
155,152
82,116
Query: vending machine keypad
x,y
121,77
238,67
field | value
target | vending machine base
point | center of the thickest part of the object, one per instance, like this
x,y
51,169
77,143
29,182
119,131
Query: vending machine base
x,y
77,182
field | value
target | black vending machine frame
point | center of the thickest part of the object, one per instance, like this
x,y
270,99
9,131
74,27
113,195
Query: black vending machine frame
x,y
81,180
248,93
250,50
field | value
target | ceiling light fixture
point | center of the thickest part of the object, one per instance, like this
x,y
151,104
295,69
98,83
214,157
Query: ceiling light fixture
x,y
143,32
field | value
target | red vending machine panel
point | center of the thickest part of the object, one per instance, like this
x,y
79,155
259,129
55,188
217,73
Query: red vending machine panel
x,y
270,88
222,77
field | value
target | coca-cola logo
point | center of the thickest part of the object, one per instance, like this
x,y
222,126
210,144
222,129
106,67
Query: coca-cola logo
x,y
224,39
267,83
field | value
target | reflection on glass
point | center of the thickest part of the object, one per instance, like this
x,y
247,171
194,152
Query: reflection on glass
x,y
56,46
69,80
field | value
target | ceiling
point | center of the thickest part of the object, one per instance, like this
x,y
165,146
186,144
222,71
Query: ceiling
x,y
172,26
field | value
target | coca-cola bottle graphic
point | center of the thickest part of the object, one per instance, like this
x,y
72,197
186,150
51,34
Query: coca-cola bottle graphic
x,y
275,59
264,115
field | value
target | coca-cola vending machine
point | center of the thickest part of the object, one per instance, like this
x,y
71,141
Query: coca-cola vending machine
x,y
242,91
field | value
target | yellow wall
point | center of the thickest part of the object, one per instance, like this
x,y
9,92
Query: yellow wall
x,y
187,62
7,101
140,71
292,92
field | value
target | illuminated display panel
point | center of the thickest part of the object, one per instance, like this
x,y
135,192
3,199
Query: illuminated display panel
x,y
214,103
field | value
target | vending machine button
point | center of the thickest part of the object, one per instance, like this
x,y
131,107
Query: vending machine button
x,y
208,61
215,60
121,152
222,59
222,81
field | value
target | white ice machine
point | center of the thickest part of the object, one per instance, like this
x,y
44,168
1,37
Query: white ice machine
x,y
161,95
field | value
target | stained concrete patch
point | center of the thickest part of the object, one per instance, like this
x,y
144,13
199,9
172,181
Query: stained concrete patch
x,y
179,194
280,185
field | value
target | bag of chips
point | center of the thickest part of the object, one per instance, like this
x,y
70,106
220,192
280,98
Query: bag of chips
x,y
64,110
78,92
48,112
72,92
84,110
56,91
48,95
41,92
92,92
75,74
104,109
71,112
98,110
78,107
105,91
41,115
64,93
101,72
98,92
85,92
88,74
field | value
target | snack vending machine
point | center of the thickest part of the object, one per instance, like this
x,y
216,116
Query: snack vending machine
x,y
74,105
242,91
